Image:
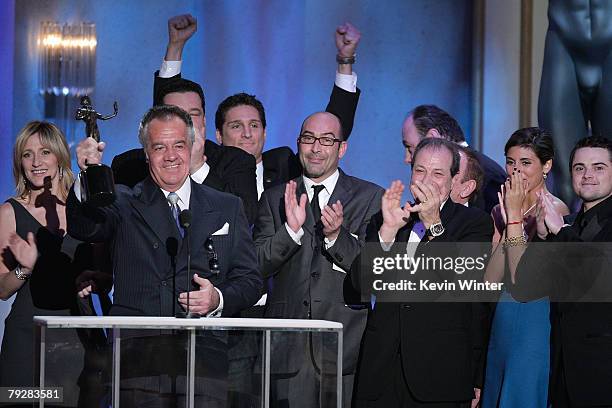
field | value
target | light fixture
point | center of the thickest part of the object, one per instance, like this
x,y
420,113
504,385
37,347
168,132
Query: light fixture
x,y
67,53
66,71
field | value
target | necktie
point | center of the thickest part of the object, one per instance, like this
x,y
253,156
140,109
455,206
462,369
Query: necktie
x,y
316,209
173,200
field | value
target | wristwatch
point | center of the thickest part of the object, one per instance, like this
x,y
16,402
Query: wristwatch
x,y
20,274
436,229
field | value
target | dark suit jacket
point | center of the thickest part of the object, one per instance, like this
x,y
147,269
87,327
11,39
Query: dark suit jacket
x,y
148,251
306,285
231,170
442,345
581,331
494,177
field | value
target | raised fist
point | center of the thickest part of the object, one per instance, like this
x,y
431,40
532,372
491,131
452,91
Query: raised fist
x,y
347,38
181,28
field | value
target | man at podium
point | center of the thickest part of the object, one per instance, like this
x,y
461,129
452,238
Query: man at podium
x,y
150,253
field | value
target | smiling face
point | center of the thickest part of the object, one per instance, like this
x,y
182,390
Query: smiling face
x,y
168,152
243,128
320,162
191,103
592,175
433,166
532,170
38,163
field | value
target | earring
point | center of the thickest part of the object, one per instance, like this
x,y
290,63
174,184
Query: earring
x,y
545,175
61,173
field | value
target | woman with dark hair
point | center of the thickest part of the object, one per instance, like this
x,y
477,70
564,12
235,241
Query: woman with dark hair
x,y
39,261
518,357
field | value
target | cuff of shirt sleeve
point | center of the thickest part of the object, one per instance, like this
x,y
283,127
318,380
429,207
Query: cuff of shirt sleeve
x,y
295,236
386,246
200,174
217,312
347,82
170,68
329,243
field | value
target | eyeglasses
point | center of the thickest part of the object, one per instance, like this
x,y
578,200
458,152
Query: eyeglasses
x,y
323,141
213,259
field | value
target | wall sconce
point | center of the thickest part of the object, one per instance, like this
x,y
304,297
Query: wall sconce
x,y
67,58
66,71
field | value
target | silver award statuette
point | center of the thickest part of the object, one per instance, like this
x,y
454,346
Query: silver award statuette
x,y
97,184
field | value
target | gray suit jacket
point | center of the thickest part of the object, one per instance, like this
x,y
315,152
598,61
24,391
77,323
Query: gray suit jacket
x,y
307,286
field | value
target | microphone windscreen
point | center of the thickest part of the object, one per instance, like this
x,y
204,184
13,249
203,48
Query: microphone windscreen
x,y
185,218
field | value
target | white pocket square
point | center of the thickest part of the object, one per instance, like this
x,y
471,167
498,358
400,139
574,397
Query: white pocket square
x,y
223,231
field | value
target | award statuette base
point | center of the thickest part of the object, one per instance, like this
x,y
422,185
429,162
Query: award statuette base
x,y
98,185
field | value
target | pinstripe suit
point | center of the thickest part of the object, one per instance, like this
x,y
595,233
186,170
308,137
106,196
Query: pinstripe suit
x,y
147,251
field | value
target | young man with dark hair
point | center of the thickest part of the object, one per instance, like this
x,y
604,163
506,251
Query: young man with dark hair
x,y
576,276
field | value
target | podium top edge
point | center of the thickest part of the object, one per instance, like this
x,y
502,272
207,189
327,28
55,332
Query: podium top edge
x,y
153,322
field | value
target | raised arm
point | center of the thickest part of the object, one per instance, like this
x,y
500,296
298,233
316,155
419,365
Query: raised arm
x,y
345,94
180,30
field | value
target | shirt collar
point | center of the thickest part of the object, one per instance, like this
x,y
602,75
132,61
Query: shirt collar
x,y
329,183
184,193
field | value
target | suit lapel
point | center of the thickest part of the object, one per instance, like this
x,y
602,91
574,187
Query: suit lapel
x,y
343,191
270,175
152,206
205,220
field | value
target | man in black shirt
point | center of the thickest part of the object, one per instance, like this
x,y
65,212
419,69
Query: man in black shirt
x,y
576,275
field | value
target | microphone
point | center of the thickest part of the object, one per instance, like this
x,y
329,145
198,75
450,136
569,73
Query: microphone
x,y
185,218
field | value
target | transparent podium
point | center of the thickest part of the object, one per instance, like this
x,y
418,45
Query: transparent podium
x,y
207,362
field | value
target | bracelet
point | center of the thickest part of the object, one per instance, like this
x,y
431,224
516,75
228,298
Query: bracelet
x,y
345,60
514,223
20,274
514,241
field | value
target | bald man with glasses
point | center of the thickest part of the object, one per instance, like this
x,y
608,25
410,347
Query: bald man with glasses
x,y
307,234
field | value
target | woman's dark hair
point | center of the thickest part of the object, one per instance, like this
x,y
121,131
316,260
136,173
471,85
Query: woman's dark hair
x,y
534,138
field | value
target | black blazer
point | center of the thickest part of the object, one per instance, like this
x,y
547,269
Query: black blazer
x,y
581,332
442,345
494,177
231,170
147,249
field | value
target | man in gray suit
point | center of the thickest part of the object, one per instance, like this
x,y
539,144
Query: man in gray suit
x,y
307,234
